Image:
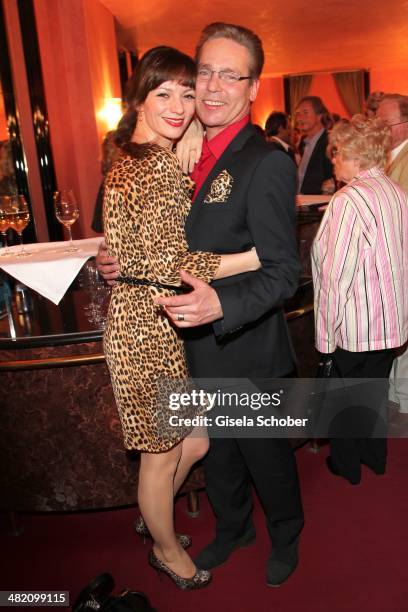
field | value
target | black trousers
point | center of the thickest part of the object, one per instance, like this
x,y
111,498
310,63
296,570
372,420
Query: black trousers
x,y
347,453
232,465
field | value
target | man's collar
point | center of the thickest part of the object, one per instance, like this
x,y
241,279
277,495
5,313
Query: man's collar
x,y
284,144
220,142
394,152
314,138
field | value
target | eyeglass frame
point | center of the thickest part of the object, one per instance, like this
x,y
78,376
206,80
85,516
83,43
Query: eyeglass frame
x,y
220,72
399,123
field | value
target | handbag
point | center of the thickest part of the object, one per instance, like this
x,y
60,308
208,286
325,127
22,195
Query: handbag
x,y
97,596
325,366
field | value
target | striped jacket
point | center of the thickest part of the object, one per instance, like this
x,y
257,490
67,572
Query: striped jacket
x,y
360,267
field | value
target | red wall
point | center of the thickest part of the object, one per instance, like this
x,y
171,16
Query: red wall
x,y
394,80
323,85
270,98
100,31
77,76
3,120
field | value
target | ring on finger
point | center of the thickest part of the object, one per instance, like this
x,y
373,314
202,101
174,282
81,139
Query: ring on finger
x,y
180,317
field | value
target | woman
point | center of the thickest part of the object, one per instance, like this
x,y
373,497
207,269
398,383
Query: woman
x,y
360,275
146,204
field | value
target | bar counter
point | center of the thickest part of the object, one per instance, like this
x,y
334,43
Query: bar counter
x,y
61,444
60,438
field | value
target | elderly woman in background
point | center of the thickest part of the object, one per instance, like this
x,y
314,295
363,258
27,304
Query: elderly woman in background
x,y
360,275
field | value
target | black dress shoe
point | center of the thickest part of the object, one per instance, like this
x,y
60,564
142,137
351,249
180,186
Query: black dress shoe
x,y
280,567
217,553
333,470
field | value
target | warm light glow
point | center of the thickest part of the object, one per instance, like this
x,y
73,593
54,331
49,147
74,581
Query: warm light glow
x,y
262,122
111,112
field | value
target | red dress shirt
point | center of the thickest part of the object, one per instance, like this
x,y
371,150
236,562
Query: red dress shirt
x,y
212,151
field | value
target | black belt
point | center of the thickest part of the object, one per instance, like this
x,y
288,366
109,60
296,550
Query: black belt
x,y
129,280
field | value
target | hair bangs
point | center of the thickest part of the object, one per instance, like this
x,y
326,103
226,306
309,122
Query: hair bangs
x,y
174,66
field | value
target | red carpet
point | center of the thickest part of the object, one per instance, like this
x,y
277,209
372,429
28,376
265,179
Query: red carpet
x,y
353,550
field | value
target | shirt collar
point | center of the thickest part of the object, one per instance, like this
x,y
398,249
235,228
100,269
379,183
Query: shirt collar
x,y
314,138
284,144
397,150
220,142
374,171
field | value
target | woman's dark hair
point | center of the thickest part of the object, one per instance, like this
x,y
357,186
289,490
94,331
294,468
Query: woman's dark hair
x,y
157,66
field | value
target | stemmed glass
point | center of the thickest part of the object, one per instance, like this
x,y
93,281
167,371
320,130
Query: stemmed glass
x,y
67,212
98,293
5,208
19,218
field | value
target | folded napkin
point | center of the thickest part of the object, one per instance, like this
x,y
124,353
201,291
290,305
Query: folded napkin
x,y
49,270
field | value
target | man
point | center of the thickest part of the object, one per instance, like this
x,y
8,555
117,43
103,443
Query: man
x,y
393,109
372,102
315,168
236,328
278,133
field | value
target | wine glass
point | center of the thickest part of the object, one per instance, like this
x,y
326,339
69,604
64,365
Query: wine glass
x,y
4,222
19,218
67,212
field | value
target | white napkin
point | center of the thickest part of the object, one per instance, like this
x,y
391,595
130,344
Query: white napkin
x,y
49,270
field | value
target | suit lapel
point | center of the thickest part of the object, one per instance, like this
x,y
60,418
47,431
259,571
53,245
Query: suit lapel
x,y
224,161
318,146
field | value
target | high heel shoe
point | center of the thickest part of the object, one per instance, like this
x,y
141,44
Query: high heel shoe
x,y
142,530
200,579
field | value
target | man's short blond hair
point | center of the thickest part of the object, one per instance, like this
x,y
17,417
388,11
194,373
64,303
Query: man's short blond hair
x,y
368,140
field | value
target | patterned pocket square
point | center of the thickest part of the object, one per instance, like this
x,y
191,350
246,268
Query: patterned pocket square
x,y
220,188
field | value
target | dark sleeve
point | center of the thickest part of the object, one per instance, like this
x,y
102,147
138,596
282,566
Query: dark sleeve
x,y
328,171
97,224
271,218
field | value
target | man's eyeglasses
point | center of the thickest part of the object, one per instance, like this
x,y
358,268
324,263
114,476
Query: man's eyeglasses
x,y
399,123
205,74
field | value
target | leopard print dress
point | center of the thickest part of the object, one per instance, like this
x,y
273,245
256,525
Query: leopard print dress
x,y
145,207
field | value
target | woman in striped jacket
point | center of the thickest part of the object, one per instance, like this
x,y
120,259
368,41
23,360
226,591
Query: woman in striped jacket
x,y
360,275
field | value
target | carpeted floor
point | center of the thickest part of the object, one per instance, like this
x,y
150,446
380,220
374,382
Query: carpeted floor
x,y
353,550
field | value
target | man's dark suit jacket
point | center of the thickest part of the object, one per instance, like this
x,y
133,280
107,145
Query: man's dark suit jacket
x,y
319,167
252,339
274,144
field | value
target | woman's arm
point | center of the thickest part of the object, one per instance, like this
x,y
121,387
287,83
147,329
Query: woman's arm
x,y
188,149
238,263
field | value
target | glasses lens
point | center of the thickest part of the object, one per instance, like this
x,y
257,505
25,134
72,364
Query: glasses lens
x,y
203,73
229,77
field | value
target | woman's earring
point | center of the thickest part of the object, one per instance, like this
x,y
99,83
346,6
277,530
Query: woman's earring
x,y
140,115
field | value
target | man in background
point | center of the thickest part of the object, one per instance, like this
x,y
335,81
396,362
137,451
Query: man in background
x,y
393,109
315,168
278,132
